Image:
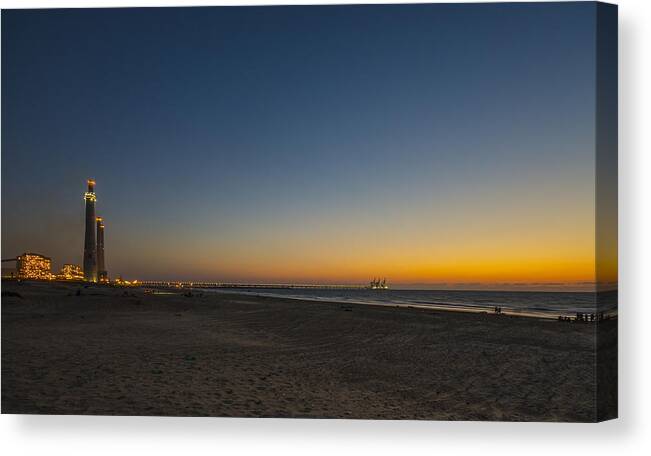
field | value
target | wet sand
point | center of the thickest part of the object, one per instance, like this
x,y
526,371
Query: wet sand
x,y
247,356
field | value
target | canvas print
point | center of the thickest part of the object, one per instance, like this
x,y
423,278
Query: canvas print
x,y
399,212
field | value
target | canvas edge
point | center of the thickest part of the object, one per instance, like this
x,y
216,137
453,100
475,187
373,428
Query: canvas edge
x,y
606,170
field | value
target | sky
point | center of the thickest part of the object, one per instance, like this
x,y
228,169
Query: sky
x,y
427,144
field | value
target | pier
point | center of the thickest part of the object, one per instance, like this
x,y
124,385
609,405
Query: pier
x,y
276,286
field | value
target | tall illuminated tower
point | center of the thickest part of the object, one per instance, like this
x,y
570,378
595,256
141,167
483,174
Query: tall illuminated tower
x,y
90,246
102,275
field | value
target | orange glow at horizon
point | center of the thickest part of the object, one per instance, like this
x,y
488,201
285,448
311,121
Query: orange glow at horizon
x,y
515,232
418,253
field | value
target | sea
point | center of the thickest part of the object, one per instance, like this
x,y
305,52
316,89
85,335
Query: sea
x,y
544,304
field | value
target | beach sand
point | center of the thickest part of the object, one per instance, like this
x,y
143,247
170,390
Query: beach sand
x,y
247,356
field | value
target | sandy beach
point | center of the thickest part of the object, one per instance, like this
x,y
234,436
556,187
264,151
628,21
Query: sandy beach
x,y
112,351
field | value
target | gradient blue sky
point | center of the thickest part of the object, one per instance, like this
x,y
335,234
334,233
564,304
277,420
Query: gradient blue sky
x,y
305,143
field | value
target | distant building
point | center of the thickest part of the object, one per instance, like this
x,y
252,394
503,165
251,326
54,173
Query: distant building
x,y
71,272
102,275
9,272
34,266
90,242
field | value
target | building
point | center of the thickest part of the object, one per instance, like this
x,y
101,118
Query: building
x,y
34,266
71,272
102,275
90,242
9,272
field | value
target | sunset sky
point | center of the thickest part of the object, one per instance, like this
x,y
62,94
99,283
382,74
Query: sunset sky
x,y
427,144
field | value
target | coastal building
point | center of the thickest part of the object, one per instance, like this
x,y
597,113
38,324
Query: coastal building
x,y
34,266
90,242
102,275
9,272
71,272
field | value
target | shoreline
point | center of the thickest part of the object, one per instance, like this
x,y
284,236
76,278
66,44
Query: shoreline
x,y
434,307
567,316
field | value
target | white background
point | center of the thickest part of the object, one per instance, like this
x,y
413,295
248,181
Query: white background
x,y
630,434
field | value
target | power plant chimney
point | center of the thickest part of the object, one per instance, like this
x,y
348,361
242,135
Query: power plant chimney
x,y
90,245
102,275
